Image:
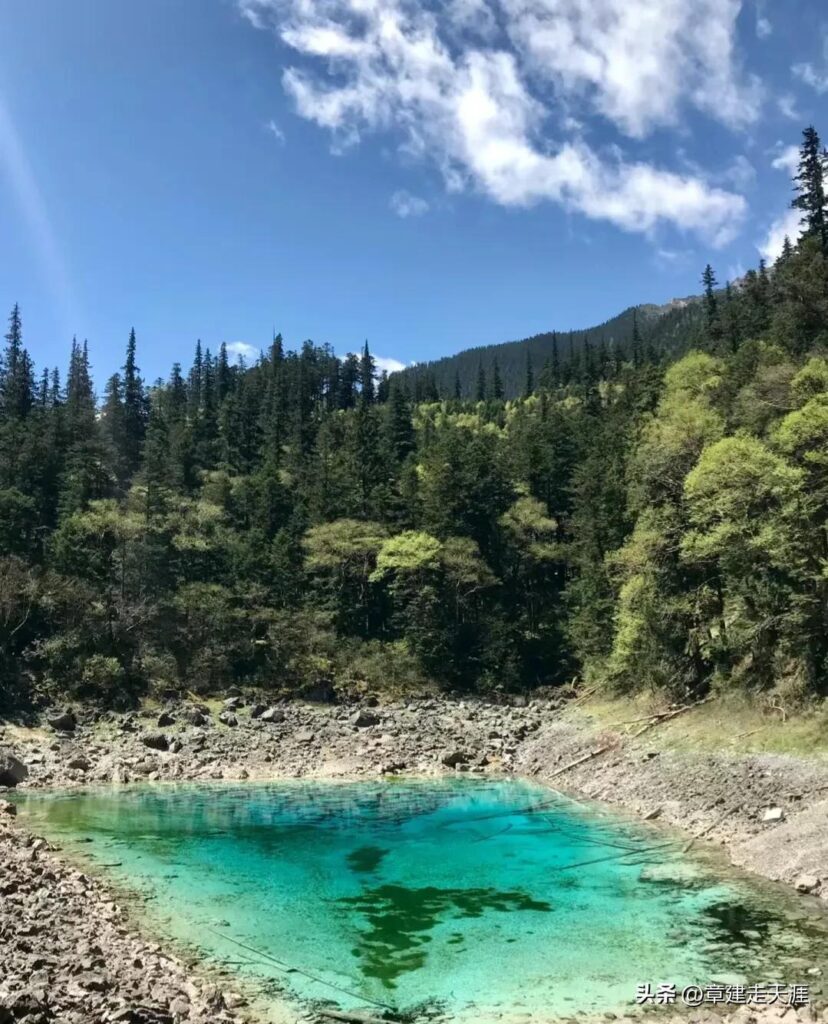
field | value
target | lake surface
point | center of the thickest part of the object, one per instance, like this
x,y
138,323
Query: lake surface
x,y
485,896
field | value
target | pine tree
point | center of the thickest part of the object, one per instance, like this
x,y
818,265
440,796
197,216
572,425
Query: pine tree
x,y
497,382
711,307
480,394
348,377
810,184
135,410
529,386
194,385
16,372
224,373
400,427
555,365
458,391
637,353
367,371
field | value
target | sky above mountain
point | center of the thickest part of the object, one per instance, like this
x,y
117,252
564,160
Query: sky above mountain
x,y
426,175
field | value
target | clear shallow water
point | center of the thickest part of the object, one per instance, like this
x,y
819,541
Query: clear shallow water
x,y
483,895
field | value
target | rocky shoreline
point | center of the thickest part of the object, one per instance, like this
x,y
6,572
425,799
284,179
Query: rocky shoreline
x,y
70,952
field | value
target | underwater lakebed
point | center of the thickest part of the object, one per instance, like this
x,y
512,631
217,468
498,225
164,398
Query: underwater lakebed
x,y
480,895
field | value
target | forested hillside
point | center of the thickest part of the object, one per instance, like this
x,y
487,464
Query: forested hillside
x,y
515,368
632,518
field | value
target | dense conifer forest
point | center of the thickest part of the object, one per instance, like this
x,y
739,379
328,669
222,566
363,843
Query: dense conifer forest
x,y
646,508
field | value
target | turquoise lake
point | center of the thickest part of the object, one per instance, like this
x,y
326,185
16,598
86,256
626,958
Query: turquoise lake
x,y
482,895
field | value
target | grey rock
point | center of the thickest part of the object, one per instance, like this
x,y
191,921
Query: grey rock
x,y
807,883
228,718
79,762
12,771
8,808
63,721
363,718
257,710
454,758
773,814
165,719
155,741
273,715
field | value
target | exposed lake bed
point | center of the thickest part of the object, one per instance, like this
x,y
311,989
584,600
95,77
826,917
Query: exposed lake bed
x,y
394,908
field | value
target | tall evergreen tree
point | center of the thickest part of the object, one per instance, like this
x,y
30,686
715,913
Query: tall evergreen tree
x,y
810,185
529,386
16,372
480,393
135,409
497,382
367,372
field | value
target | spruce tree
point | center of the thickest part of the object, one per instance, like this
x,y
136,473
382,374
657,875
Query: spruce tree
x,y
16,372
529,386
497,382
458,391
810,184
135,410
480,393
711,307
367,371
555,364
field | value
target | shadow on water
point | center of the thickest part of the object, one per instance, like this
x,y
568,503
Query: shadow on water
x,y
400,920
366,859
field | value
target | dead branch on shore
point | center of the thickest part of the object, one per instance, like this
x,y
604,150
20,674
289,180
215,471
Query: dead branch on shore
x,y
653,721
708,828
351,1018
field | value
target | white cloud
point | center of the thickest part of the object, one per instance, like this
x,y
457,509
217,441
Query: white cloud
x,y
388,364
242,349
787,107
785,226
787,160
395,65
741,173
275,130
404,204
763,27
810,74
638,61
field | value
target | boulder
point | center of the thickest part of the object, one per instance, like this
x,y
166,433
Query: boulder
x,y
7,808
304,736
257,710
195,716
228,718
773,814
63,721
165,719
364,718
12,771
155,741
807,883
232,703
454,758
79,763
273,715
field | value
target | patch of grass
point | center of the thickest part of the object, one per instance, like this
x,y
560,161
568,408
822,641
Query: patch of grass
x,y
733,724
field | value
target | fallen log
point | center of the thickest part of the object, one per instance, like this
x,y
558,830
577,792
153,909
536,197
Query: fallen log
x,y
706,830
351,1018
581,760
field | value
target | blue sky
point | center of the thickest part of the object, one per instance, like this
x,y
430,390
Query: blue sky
x,y
426,175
